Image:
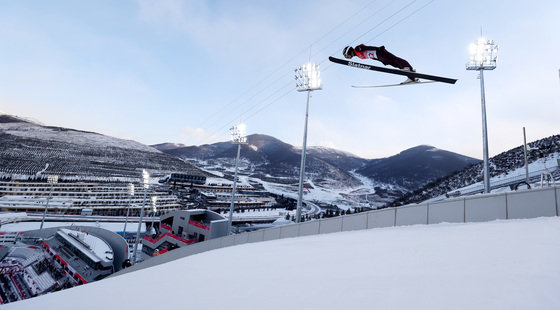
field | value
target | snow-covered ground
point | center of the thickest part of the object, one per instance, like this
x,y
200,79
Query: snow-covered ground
x,y
315,193
512,264
329,194
318,193
71,136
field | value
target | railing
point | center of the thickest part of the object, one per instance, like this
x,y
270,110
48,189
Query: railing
x,y
199,225
534,176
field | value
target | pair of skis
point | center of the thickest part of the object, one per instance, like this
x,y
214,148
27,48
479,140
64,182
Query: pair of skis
x,y
414,78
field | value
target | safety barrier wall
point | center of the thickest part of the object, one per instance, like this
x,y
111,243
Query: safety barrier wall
x,y
330,225
529,203
485,208
241,238
557,201
449,211
289,231
540,202
354,222
382,218
272,233
309,228
255,236
411,215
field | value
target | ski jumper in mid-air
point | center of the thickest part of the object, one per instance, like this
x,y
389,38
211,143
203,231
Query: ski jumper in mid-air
x,y
378,53
402,66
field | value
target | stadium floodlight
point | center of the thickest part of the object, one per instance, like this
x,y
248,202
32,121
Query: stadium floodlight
x,y
130,188
51,179
145,178
146,185
483,57
154,210
154,204
308,78
238,136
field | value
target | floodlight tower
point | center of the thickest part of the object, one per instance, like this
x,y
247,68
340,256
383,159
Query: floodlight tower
x,y
483,57
145,182
154,210
51,179
525,157
238,136
308,78
130,188
526,149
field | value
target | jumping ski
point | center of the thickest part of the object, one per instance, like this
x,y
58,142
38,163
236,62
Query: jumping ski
x,y
413,82
409,74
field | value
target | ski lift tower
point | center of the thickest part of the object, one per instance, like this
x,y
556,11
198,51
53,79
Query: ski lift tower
x,y
483,57
307,79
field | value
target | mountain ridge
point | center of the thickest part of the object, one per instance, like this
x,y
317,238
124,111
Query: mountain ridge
x,y
416,166
416,173
269,159
27,148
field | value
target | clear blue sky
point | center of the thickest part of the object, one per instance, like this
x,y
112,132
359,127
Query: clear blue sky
x,y
186,71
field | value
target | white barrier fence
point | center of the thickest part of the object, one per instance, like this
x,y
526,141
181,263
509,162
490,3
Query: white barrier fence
x,y
510,205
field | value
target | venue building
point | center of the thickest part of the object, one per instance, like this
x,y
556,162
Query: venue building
x,y
81,198
183,227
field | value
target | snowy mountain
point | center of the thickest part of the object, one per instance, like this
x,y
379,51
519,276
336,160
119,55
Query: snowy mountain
x,y
168,146
509,164
341,159
27,148
416,166
331,174
265,158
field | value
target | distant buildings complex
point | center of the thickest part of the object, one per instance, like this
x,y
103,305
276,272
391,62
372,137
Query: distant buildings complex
x,y
41,261
78,197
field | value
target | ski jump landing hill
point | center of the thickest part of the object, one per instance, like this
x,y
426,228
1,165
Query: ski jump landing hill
x,y
522,204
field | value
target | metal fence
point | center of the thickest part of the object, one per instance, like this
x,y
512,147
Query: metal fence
x,y
521,204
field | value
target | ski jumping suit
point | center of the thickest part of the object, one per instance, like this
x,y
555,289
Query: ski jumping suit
x,y
381,54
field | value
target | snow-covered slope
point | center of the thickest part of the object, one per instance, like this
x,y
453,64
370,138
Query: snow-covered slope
x,y
28,149
64,135
495,265
168,146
